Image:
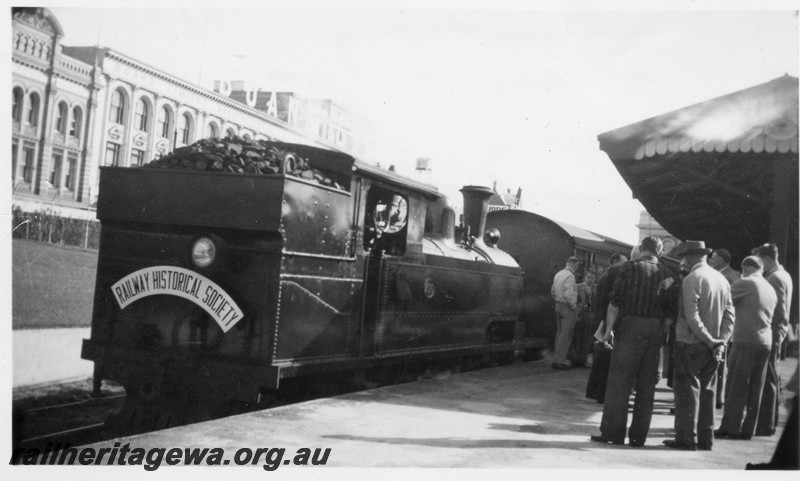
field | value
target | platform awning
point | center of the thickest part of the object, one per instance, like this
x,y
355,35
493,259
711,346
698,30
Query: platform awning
x,y
723,171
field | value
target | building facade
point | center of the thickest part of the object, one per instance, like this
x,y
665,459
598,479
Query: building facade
x,y
648,226
506,200
76,109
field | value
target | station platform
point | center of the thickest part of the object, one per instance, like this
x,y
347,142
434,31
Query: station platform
x,y
49,356
524,415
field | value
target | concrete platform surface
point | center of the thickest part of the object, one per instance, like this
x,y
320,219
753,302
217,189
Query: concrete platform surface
x,y
48,355
525,415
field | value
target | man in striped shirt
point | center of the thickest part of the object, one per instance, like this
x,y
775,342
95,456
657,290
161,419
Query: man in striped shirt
x,y
640,334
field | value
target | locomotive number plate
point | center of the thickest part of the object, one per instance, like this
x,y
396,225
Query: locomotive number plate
x,y
177,281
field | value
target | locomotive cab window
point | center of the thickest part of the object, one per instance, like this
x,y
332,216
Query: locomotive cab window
x,y
386,221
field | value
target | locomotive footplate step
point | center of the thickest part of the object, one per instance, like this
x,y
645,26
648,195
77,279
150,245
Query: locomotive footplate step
x,y
523,415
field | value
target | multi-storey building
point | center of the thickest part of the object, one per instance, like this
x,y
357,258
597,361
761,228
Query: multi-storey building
x,y
649,226
76,109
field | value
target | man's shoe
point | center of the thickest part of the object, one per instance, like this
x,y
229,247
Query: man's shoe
x,y
673,444
703,447
745,437
764,433
561,367
604,440
720,434
636,444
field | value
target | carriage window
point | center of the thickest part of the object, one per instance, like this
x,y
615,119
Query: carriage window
x,y
385,221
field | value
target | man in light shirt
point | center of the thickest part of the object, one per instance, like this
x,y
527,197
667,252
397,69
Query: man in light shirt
x,y
754,300
565,294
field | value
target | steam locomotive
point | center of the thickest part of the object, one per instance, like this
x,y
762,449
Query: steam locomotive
x,y
220,277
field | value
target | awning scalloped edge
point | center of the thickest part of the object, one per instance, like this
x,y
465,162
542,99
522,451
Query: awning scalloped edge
x,y
678,144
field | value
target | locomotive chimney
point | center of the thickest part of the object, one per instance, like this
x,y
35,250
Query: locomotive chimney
x,y
476,203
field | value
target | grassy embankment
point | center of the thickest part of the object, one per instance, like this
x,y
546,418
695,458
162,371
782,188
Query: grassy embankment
x,y
51,286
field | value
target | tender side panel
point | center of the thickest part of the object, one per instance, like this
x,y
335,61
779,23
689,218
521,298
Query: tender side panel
x,y
315,219
320,283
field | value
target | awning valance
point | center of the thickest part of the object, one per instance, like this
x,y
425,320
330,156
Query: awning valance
x,y
759,119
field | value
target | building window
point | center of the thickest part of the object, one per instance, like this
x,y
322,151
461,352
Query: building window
x,y
16,110
112,154
163,122
61,118
230,133
140,121
137,157
28,151
75,124
117,110
185,129
55,173
14,147
212,132
72,165
33,110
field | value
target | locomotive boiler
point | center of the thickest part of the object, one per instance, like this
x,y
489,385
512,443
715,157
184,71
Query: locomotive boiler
x,y
218,281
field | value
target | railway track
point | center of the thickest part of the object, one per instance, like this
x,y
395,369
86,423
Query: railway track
x,y
68,414
63,413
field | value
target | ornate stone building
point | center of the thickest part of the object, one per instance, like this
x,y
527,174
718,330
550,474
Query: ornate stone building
x,y
76,109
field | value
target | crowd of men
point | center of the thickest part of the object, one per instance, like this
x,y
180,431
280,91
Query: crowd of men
x,y
720,331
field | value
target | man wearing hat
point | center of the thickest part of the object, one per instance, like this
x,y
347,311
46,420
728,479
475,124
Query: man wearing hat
x,y
704,326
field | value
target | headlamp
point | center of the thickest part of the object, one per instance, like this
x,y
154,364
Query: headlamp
x,y
204,251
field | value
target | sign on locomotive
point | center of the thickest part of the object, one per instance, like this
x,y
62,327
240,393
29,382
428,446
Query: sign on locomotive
x,y
228,267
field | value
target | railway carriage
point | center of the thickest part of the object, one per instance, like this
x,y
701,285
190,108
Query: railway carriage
x,y
541,246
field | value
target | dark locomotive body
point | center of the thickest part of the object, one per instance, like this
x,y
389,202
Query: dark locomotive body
x,y
307,278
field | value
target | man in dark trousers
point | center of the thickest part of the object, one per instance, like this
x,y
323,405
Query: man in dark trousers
x,y
638,340
704,326
601,357
754,301
721,260
782,283
583,335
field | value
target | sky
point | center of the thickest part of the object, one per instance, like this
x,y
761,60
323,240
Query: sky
x,y
505,91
